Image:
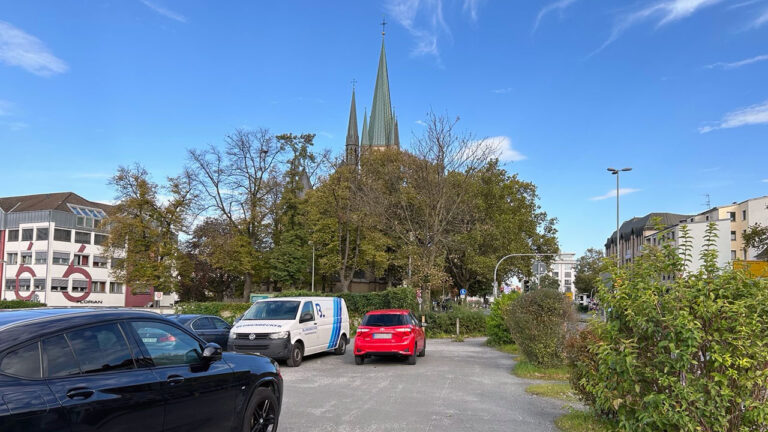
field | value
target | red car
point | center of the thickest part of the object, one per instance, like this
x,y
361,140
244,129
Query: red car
x,y
390,332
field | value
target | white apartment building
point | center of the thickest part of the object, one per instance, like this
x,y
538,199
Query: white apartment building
x,y
741,216
50,246
696,230
563,268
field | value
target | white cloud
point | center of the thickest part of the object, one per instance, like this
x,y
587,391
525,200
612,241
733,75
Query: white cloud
x,y
502,90
21,49
164,12
420,123
738,64
426,31
666,11
471,7
502,146
559,5
612,193
765,180
762,19
751,115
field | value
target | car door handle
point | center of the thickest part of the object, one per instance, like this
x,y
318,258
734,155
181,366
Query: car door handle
x,y
175,379
79,393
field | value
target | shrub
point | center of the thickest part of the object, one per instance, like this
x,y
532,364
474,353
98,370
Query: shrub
x,y
19,304
471,322
682,353
538,322
496,328
582,362
227,311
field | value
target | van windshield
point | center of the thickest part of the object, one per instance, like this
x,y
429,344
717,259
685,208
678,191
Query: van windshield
x,y
272,310
384,320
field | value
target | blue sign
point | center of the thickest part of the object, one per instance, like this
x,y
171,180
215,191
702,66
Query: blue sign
x,y
463,292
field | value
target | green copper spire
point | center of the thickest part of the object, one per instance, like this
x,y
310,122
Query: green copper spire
x,y
366,141
380,129
353,140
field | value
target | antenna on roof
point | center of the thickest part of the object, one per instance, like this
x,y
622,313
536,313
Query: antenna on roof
x,y
707,203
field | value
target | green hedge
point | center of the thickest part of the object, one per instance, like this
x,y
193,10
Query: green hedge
x,y
361,303
227,311
19,304
498,332
471,323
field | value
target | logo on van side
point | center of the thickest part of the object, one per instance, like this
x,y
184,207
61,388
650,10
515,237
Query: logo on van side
x,y
320,313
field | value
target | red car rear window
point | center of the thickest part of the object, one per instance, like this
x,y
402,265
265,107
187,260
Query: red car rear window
x,y
384,320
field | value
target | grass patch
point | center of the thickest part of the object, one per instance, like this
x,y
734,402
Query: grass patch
x,y
526,369
509,349
581,421
555,390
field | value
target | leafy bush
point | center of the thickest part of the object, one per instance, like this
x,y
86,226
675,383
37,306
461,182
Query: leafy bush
x,y
19,304
582,362
471,322
538,322
682,353
227,311
496,328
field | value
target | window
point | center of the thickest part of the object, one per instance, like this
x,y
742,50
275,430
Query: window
x,y
41,257
13,235
27,233
731,215
220,324
26,258
115,288
98,286
733,255
99,261
733,235
59,285
82,237
79,285
567,282
568,274
308,308
10,284
81,260
23,362
743,215
40,284
64,235
117,262
61,258
25,284
555,274
168,345
384,320
58,359
99,239
101,349
203,323
42,234
12,258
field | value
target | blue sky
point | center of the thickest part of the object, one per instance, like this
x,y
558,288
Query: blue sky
x,y
675,89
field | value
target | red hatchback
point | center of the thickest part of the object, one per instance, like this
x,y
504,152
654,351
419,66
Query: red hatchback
x,y
390,332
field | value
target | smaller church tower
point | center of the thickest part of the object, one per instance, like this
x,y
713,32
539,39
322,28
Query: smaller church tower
x,y
353,140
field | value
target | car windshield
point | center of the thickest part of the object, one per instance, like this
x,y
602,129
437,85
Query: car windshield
x,y
272,310
384,320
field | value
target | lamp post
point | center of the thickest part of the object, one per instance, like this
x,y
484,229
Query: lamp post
x,y
313,265
616,172
495,281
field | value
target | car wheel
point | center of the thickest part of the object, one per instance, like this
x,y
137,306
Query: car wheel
x,y
359,360
341,348
412,357
423,351
297,355
262,412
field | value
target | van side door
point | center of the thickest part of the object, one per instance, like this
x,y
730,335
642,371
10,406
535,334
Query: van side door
x,y
308,327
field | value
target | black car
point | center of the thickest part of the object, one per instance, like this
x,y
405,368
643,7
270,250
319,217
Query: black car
x,y
122,370
210,328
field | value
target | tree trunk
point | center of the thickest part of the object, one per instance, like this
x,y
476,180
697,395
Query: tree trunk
x,y
247,287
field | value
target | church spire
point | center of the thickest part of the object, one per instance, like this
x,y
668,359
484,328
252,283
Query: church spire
x,y
380,128
366,141
353,139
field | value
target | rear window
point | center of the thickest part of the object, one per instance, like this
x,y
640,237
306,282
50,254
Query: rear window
x,y
384,320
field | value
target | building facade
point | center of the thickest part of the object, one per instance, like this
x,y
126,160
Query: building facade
x,y
51,249
741,216
697,232
632,234
563,268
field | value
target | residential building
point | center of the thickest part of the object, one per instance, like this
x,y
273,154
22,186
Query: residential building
x,y
51,249
563,268
697,229
633,232
741,215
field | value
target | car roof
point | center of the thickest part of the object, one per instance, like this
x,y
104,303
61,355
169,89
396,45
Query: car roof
x,y
296,299
389,311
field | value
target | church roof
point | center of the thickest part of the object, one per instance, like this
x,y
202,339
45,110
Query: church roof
x,y
365,141
380,130
352,137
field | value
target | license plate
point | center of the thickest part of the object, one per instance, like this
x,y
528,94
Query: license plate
x,y
382,335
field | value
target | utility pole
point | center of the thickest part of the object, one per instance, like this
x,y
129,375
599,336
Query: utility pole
x,y
313,265
616,172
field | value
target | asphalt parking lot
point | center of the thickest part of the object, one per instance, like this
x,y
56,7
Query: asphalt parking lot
x,y
456,387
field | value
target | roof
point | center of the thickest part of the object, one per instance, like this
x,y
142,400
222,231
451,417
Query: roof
x,y
381,128
389,311
49,201
637,225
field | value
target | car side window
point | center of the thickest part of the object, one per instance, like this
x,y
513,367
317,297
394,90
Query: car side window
x,y
308,308
101,348
23,362
203,323
220,324
58,358
167,345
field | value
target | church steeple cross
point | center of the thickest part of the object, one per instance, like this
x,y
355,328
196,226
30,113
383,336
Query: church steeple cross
x,y
354,81
383,26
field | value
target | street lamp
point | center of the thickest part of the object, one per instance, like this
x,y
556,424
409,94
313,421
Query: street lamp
x,y
616,172
313,264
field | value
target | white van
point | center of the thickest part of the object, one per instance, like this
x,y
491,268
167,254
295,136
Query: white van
x,y
288,328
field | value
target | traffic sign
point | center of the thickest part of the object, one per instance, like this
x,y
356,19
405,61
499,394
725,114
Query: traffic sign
x,y
463,292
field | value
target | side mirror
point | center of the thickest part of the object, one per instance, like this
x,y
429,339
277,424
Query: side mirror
x,y
306,316
211,352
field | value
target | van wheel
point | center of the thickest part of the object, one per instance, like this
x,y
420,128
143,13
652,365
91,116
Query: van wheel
x,y
297,355
262,413
359,360
423,351
341,348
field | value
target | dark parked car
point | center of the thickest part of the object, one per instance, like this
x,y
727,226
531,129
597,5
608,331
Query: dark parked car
x,y
121,370
210,328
